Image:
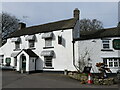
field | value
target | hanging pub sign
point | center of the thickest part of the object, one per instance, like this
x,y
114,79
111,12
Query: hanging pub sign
x,y
116,44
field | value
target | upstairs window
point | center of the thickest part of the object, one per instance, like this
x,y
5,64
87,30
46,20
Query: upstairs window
x,y
31,40
17,42
60,40
48,42
17,45
106,44
31,43
48,39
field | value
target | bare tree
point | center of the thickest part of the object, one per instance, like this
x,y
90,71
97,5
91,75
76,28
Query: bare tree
x,y
8,24
89,25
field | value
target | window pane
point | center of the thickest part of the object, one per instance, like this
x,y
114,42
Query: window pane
x,y
110,64
48,61
105,41
115,64
105,61
8,60
116,44
110,59
105,45
31,43
17,45
48,42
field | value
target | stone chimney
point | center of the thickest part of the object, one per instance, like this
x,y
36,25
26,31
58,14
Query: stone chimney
x,y
76,13
21,25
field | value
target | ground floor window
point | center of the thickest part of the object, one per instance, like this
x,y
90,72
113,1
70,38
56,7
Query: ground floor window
x,y
112,62
8,61
48,61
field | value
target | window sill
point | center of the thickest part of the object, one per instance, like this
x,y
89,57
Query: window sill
x,y
16,49
48,68
106,49
48,47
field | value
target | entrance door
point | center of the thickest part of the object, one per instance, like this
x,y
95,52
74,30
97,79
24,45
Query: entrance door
x,y
24,62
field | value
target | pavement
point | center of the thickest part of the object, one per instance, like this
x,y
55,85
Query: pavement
x,y
13,79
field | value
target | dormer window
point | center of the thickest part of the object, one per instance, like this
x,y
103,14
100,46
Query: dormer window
x,y
31,40
17,43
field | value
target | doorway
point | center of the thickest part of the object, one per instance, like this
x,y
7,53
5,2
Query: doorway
x,y
23,62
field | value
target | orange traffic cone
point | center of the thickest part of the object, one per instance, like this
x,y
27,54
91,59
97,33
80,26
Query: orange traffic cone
x,y
90,81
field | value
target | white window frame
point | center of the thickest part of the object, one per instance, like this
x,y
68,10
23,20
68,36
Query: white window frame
x,y
114,61
31,43
48,42
17,45
46,58
106,42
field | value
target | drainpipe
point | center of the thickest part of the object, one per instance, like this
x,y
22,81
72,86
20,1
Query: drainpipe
x,y
74,56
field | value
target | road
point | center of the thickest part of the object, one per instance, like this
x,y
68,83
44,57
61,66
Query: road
x,y
13,79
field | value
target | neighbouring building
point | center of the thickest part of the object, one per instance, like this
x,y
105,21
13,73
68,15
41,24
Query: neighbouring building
x,y
46,47
100,46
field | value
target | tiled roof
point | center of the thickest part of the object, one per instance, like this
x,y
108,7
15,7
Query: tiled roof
x,y
109,32
54,26
30,52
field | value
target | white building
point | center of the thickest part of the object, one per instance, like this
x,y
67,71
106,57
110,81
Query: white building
x,y
100,46
46,47
60,45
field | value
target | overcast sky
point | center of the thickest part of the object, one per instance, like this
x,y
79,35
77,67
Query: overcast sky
x,y
35,13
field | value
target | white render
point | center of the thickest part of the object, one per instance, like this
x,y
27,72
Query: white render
x,y
63,58
94,47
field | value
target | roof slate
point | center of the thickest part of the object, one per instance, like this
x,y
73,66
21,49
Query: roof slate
x,y
53,26
30,52
103,33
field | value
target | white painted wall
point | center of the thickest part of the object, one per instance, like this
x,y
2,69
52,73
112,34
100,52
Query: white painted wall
x,y
94,47
19,63
32,64
63,58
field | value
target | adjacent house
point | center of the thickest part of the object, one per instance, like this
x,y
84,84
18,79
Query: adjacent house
x,y
46,47
100,46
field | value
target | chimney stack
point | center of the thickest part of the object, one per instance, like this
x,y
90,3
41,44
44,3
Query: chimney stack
x,y
118,26
76,13
22,25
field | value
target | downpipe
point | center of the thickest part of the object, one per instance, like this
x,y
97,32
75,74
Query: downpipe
x,y
74,56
